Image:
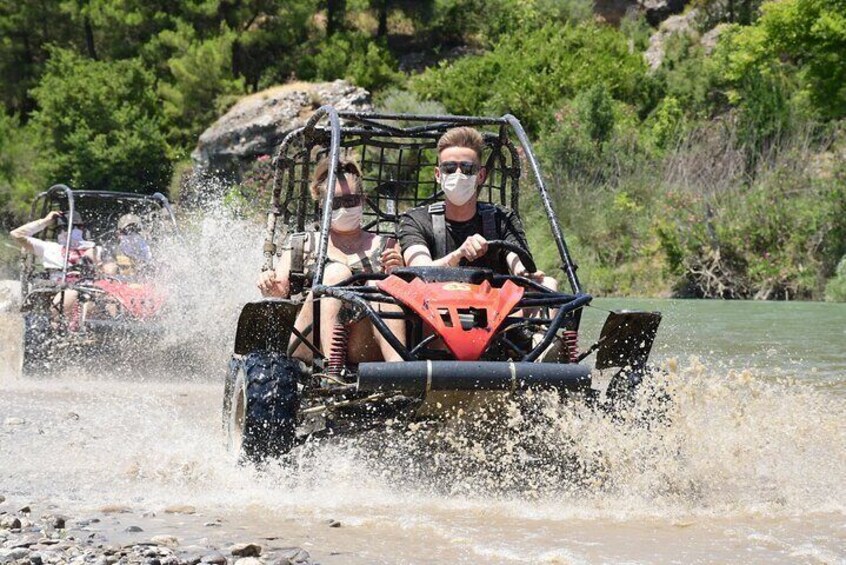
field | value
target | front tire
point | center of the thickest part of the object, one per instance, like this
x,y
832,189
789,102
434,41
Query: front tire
x,y
260,405
36,353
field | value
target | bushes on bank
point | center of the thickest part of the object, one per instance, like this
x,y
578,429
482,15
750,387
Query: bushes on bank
x,y
100,125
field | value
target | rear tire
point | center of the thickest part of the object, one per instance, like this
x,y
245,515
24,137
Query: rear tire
x,y
260,405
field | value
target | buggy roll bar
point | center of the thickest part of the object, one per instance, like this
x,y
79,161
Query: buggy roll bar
x,y
71,196
367,124
372,126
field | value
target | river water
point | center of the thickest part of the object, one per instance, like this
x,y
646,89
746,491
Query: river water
x,y
745,464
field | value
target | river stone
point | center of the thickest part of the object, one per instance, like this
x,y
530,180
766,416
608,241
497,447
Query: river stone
x,y
56,521
7,555
134,529
215,557
180,509
257,123
168,541
245,550
10,522
293,556
113,509
2,499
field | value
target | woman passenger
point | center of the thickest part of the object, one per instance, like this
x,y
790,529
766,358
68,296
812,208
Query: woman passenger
x,y
351,250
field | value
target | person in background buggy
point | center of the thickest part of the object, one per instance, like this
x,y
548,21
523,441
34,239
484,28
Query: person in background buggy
x,y
81,253
351,250
131,255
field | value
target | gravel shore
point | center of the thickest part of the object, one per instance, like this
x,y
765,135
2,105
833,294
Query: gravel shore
x,y
30,537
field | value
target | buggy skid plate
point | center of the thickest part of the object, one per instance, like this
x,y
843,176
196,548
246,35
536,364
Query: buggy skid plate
x,y
420,377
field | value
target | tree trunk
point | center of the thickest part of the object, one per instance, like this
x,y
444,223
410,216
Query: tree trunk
x,y
89,39
335,11
383,18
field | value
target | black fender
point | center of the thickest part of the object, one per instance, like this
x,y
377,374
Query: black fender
x,y
266,325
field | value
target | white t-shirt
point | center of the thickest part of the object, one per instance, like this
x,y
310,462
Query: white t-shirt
x,y
52,255
49,252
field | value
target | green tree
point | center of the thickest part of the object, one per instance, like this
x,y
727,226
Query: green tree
x,y
26,28
531,74
802,37
201,83
101,125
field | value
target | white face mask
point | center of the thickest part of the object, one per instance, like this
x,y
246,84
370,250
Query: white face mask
x,y
76,238
458,187
347,219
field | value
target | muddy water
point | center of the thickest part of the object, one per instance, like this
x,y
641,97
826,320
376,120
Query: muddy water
x,y
746,464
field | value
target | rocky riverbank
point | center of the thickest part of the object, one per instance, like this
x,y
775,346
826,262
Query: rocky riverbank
x,y
39,536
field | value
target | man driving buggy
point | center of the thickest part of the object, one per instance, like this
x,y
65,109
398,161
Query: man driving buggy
x,y
456,231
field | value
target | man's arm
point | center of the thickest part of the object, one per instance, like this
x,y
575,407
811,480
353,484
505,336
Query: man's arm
x,y
21,235
473,248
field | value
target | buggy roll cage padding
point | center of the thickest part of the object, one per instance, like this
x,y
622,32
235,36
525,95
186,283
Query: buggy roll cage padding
x,y
364,129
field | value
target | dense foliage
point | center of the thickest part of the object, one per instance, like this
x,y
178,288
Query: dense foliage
x,y
719,173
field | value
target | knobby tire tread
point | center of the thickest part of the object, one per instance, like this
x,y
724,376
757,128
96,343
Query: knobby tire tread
x,y
270,416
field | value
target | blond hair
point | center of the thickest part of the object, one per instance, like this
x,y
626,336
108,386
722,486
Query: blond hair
x,y
321,173
462,137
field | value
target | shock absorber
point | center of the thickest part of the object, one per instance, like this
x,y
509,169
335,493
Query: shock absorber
x,y
571,340
338,349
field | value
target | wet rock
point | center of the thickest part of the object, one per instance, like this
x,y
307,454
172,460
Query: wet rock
x,y
168,541
114,509
55,521
10,522
215,558
248,561
36,559
333,523
180,509
2,499
293,556
133,529
212,524
245,550
8,555
25,510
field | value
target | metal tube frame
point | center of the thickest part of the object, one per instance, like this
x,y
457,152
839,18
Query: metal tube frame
x,y
569,305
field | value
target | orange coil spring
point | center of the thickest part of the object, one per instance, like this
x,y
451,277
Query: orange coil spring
x,y
338,350
571,340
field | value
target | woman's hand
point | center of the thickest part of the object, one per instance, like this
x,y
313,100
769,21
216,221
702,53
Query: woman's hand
x,y
391,258
270,285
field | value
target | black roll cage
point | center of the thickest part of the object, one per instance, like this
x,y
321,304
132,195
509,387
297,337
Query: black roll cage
x,y
324,128
52,195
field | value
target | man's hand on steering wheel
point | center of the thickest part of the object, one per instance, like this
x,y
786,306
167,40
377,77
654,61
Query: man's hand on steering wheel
x,y
473,248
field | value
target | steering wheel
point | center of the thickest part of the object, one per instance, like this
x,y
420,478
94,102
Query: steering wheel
x,y
521,253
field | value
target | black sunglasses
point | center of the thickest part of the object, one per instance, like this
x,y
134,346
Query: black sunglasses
x,y
347,201
467,167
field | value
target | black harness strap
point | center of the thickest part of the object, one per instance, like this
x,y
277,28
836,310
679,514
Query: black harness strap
x,y
488,213
436,211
